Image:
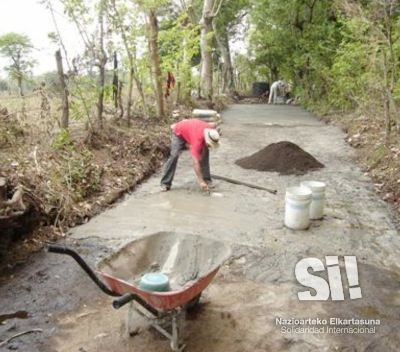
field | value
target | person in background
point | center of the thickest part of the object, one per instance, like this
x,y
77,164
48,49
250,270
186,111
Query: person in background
x,y
276,91
200,137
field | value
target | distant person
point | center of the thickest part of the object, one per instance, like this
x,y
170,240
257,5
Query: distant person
x,y
276,92
200,137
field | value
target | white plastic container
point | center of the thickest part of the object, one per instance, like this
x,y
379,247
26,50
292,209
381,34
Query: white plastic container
x,y
318,198
204,113
297,208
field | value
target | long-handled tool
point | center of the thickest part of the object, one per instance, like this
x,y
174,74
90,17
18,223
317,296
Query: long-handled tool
x,y
236,182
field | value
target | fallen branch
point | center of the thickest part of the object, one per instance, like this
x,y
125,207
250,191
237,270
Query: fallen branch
x,y
6,341
236,182
11,215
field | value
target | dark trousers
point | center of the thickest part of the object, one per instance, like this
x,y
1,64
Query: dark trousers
x,y
178,145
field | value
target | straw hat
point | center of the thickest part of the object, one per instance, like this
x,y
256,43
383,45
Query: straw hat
x,y
211,137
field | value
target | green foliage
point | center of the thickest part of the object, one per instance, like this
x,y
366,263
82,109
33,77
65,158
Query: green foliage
x,y
296,42
62,140
335,53
84,92
53,37
230,15
80,174
152,4
17,48
250,72
179,45
76,169
12,44
349,75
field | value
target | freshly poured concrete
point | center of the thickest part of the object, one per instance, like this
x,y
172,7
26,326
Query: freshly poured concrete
x,y
259,285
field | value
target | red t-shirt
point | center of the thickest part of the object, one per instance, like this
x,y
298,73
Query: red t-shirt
x,y
192,131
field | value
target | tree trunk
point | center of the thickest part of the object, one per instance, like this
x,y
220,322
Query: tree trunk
x,y
100,99
121,105
139,87
219,77
133,76
19,82
64,99
228,82
178,81
206,75
130,91
115,81
102,69
274,74
155,62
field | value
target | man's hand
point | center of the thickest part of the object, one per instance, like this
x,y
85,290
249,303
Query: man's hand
x,y
204,186
197,169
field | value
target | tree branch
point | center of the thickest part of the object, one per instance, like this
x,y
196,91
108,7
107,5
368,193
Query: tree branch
x,y
215,12
50,6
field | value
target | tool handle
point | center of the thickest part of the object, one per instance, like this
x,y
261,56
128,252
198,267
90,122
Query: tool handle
x,y
241,183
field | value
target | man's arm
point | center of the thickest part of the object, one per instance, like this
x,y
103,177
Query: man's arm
x,y
200,179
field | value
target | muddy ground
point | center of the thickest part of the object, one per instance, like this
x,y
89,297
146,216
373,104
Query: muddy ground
x,y
240,309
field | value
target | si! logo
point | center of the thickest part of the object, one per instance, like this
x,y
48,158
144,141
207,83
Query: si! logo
x,y
332,288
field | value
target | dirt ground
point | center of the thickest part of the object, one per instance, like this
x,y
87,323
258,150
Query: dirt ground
x,y
257,287
73,178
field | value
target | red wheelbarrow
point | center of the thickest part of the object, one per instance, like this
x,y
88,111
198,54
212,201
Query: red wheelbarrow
x,y
190,262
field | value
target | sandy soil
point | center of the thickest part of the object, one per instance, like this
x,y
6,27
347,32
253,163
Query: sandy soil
x,y
239,310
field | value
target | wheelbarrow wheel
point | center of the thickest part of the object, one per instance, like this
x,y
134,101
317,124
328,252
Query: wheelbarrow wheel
x,y
135,321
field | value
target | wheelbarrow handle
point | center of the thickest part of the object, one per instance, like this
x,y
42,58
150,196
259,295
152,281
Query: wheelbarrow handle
x,y
120,302
53,248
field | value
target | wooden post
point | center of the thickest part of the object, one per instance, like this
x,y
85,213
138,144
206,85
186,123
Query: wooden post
x,y
65,105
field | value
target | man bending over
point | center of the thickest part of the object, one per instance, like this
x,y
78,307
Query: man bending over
x,y
200,137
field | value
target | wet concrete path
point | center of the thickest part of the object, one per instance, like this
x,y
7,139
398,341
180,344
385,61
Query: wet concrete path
x,y
245,305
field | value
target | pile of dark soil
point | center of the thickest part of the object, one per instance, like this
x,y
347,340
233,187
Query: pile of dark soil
x,y
284,157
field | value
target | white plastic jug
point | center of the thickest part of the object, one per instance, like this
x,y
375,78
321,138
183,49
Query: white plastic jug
x,y
318,198
297,208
